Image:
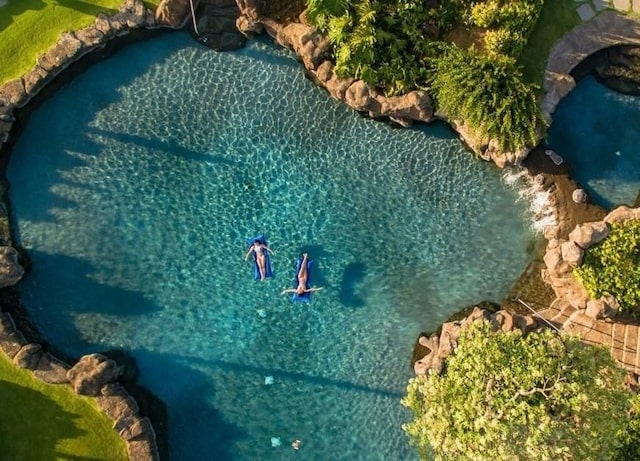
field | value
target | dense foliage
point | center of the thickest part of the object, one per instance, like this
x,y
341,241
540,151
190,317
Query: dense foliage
x,y
401,45
613,266
503,396
629,436
467,85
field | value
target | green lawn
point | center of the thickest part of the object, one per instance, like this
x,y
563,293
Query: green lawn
x,y
29,27
46,422
557,18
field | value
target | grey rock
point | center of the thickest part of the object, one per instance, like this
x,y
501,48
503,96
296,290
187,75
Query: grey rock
x,y
36,79
622,213
60,54
28,356
414,106
172,13
115,402
579,196
132,427
143,450
10,270
12,93
90,36
572,254
362,98
91,373
51,370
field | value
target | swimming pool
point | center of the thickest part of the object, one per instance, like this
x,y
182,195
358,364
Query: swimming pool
x,y
134,190
601,143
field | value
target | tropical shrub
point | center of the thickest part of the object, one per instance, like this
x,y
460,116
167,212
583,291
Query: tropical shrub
x,y
613,266
628,448
504,396
400,45
489,94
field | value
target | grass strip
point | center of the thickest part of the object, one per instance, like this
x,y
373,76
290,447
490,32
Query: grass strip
x,y
48,422
28,28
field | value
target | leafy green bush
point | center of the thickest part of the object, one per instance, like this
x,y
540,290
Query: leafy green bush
x,y
398,46
503,396
613,266
629,436
489,94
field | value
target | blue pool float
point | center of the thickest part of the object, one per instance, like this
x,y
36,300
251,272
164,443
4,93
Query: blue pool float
x,y
305,297
267,259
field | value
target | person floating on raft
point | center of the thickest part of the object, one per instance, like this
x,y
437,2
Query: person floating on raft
x,y
302,291
261,260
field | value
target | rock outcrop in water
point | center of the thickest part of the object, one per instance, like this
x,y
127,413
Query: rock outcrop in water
x,y
10,269
435,348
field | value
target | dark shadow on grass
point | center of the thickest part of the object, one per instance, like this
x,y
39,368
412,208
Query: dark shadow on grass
x,y
86,7
32,425
16,8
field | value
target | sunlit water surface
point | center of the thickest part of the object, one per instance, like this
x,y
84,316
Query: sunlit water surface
x,y
134,190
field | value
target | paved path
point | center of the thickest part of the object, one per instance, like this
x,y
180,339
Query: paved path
x,y
622,339
588,9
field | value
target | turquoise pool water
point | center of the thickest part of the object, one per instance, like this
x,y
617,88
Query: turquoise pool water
x,y
135,187
596,130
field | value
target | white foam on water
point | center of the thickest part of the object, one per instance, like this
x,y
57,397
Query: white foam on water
x,y
542,212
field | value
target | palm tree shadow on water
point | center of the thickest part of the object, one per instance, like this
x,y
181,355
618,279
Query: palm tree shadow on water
x,y
352,277
186,388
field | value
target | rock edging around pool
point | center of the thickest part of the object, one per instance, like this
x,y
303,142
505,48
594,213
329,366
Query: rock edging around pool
x,y
92,375
431,350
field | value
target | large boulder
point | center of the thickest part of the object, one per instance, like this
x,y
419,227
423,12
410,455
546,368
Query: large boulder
x,y
10,271
413,106
51,370
172,13
585,235
116,403
310,45
11,340
28,356
91,373
622,213
363,98
572,253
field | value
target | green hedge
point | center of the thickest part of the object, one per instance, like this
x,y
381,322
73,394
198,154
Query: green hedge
x,y
613,266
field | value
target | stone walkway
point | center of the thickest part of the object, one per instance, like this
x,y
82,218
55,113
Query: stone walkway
x,y
588,9
621,338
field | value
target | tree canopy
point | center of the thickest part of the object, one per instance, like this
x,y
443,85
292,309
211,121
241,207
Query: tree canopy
x,y
505,396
